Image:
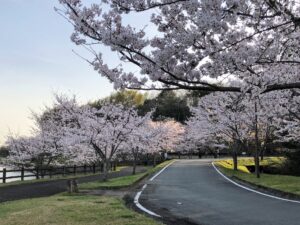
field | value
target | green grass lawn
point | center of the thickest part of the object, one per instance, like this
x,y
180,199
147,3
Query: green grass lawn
x,y
113,183
71,210
121,182
290,184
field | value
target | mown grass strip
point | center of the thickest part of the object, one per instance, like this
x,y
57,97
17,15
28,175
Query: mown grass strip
x,y
283,183
120,182
123,182
71,210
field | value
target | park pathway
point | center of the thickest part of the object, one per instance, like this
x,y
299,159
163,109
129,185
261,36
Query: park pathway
x,y
48,188
192,190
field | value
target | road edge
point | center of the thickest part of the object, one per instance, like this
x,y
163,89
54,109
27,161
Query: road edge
x,y
138,194
252,190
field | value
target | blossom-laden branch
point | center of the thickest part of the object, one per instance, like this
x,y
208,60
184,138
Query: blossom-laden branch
x,y
255,41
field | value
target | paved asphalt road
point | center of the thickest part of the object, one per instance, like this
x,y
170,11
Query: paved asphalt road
x,y
47,188
193,189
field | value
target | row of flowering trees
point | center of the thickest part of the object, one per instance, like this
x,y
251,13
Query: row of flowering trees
x,y
240,122
236,122
70,133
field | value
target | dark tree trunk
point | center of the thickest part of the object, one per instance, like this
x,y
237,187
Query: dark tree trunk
x,y
199,154
257,147
105,169
235,160
262,155
154,160
134,164
257,171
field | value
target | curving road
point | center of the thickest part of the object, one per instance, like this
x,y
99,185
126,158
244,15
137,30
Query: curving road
x,y
193,190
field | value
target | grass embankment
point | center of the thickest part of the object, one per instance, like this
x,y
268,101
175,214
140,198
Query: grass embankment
x,y
287,184
122,182
71,210
56,177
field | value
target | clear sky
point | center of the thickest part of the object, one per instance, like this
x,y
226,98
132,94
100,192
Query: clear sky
x,y
36,59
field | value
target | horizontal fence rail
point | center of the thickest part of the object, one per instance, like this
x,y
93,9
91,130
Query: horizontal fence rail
x,y
38,173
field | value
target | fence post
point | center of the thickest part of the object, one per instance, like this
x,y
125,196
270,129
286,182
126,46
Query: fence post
x,y
37,173
74,170
84,169
4,176
94,168
64,171
22,173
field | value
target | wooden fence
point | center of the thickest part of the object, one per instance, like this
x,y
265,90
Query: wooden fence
x,y
38,173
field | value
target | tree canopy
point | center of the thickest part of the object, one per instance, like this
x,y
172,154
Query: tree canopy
x,y
208,45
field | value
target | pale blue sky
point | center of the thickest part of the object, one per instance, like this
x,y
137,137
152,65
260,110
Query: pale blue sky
x,y
36,59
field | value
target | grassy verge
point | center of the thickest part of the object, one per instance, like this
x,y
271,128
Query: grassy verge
x,y
244,162
122,182
283,183
71,210
119,182
13,183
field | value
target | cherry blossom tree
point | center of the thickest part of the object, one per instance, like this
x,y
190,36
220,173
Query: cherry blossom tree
x,y
168,137
22,151
38,151
201,133
198,44
288,120
238,121
69,133
105,130
141,141
219,115
47,144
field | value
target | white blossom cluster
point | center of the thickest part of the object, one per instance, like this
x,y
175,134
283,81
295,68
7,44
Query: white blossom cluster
x,y
255,41
68,133
234,119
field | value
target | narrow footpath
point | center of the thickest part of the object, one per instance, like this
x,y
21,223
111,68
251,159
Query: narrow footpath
x,y
48,188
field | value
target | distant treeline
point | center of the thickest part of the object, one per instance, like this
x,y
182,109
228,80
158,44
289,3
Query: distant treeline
x,y
166,104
